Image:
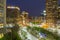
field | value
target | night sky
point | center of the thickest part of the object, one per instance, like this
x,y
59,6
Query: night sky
x,y
34,7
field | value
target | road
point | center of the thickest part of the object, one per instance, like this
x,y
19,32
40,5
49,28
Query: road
x,y
29,36
32,35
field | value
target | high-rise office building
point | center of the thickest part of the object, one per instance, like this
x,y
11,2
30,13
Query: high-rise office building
x,y
12,13
2,13
58,12
58,17
51,11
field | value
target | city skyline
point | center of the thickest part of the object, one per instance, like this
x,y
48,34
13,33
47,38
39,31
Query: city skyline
x,y
33,7
29,20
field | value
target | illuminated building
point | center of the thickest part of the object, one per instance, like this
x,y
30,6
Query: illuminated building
x,y
58,12
13,13
2,12
51,11
41,19
58,17
2,17
25,17
25,14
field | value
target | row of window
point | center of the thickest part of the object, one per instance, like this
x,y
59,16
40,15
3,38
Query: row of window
x,y
1,11
2,2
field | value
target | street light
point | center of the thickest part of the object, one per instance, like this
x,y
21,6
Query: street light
x,y
44,13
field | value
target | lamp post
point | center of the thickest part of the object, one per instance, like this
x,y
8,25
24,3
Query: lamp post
x,y
44,13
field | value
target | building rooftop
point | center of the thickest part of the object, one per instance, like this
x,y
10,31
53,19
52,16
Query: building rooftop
x,y
13,7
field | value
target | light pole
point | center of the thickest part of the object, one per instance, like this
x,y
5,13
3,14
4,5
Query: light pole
x,y
44,13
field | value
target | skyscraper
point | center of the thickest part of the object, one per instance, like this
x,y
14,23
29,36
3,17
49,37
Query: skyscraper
x,y
58,12
12,13
58,17
2,12
51,11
